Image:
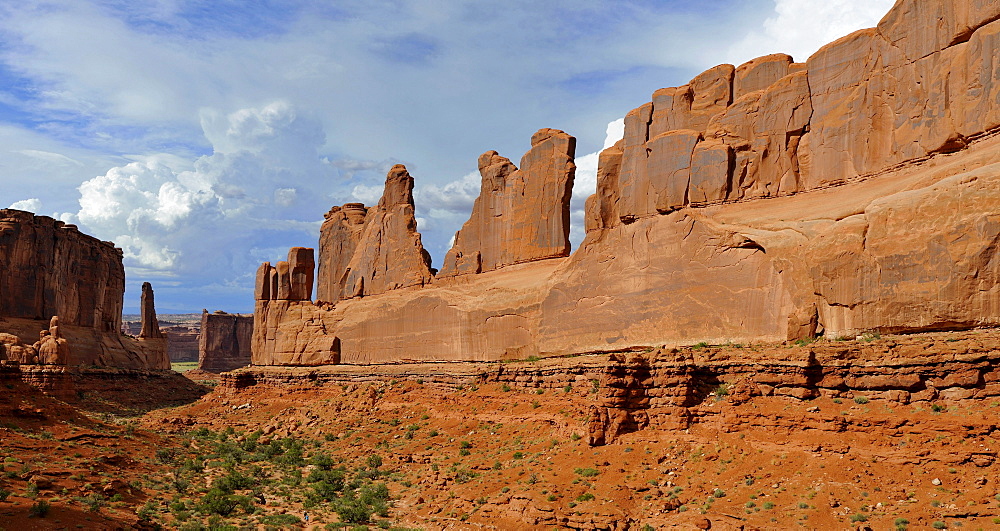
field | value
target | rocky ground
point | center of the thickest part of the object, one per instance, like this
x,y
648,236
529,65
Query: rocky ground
x,y
448,448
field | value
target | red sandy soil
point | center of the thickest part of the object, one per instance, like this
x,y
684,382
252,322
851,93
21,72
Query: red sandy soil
x,y
491,457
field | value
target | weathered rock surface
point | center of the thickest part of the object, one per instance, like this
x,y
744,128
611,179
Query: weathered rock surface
x,y
521,215
49,268
150,326
182,342
290,280
52,348
776,200
182,339
224,343
338,238
389,255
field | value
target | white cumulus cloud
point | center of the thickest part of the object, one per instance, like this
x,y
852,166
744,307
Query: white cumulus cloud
x,y
799,28
263,187
31,205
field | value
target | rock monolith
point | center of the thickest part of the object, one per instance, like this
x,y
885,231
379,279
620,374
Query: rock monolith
x,y
521,215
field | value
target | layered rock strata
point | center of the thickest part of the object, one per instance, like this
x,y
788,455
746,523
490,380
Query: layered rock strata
x,y
51,268
521,215
224,342
182,342
677,389
48,269
770,201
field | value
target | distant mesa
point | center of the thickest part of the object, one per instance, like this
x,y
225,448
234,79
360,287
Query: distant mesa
x,y
224,342
769,201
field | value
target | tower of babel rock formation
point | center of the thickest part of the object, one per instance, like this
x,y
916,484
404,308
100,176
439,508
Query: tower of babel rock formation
x,y
61,296
857,191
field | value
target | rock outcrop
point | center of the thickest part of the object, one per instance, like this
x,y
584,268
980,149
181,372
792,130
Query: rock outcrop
x,y
51,268
52,348
48,269
776,200
182,342
389,254
150,326
521,215
291,280
224,343
338,238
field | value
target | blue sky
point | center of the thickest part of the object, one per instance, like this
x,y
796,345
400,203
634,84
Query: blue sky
x,y
206,136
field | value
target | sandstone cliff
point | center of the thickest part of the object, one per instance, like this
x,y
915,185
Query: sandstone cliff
x,y
389,254
338,238
50,269
773,200
522,214
224,342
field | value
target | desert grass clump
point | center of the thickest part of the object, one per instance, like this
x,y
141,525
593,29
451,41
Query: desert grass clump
x,y
39,509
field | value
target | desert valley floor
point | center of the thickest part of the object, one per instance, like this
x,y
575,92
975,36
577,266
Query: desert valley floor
x,y
507,446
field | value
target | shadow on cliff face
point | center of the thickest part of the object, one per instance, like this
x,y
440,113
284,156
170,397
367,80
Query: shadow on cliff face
x,y
131,395
110,391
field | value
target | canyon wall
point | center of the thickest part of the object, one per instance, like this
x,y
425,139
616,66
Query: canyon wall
x,y
182,339
49,270
774,200
182,342
224,342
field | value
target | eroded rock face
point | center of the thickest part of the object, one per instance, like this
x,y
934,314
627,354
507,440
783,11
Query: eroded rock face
x,y
389,254
776,200
521,215
49,268
182,342
224,342
150,326
12,349
290,280
338,239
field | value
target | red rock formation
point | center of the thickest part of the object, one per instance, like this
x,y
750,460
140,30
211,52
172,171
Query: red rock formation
x,y
389,254
880,161
52,348
12,349
182,339
338,238
287,281
521,215
224,343
182,342
150,326
49,268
